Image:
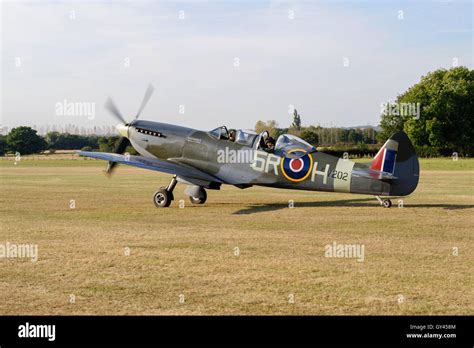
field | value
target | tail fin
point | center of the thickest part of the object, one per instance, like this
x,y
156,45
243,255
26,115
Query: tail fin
x,y
397,156
384,160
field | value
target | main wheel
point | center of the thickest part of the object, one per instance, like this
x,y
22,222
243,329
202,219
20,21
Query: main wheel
x,y
162,198
197,200
386,203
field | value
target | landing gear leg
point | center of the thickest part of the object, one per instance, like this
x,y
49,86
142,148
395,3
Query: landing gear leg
x,y
164,196
386,203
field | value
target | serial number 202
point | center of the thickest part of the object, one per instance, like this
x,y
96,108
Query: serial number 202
x,y
337,174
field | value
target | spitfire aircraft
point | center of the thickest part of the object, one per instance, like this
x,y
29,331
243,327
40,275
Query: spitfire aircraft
x,y
207,160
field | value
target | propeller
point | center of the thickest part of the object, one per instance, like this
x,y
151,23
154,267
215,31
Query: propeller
x,y
120,149
146,98
113,109
123,126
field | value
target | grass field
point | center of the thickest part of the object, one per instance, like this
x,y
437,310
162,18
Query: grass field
x,y
115,253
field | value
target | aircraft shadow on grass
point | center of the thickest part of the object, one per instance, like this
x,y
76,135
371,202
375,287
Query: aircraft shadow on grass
x,y
363,202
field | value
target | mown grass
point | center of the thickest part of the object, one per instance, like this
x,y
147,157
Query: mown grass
x,y
409,266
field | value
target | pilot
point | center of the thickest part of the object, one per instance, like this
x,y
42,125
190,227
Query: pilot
x,y
232,134
270,144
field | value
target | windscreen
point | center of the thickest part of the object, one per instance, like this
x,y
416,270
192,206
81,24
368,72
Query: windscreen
x,y
245,138
287,142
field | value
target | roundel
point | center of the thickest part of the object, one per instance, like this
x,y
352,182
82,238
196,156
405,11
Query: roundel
x,y
297,169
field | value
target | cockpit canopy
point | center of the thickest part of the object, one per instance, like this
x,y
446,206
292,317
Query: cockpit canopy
x,y
288,142
284,144
220,133
246,138
242,137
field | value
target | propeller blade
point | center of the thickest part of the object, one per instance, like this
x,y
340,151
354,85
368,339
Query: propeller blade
x,y
112,108
110,167
146,98
120,149
122,145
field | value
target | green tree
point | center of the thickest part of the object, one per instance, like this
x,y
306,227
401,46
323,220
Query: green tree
x,y
108,144
310,135
445,120
362,146
369,135
296,120
271,126
52,139
66,141
260,126
25,141
3,145
354,136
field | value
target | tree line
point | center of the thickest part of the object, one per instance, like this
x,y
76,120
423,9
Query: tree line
x,y
322,136
25,140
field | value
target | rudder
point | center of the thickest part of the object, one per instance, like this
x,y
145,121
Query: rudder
x,y
399,158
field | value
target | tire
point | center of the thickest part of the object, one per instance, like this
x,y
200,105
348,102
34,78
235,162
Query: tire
x,y
162,198
195,200
386,203
169,193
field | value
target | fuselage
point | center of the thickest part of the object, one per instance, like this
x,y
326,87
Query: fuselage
x,y
238,164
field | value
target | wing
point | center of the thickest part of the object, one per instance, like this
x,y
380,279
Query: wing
x,y
372,174
153,164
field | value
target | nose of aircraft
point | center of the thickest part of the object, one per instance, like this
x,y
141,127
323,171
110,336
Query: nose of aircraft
x,y
122,130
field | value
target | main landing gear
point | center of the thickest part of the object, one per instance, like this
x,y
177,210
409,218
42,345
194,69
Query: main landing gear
x,y
385,202
200,199
164,196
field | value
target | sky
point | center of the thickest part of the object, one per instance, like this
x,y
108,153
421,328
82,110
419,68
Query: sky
x,y
218,63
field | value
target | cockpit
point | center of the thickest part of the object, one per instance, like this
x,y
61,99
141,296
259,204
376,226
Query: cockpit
x,y
220,133
240,136
284,144
246,138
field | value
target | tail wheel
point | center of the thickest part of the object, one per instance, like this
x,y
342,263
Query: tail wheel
x,y
386,203
162,198
201,200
